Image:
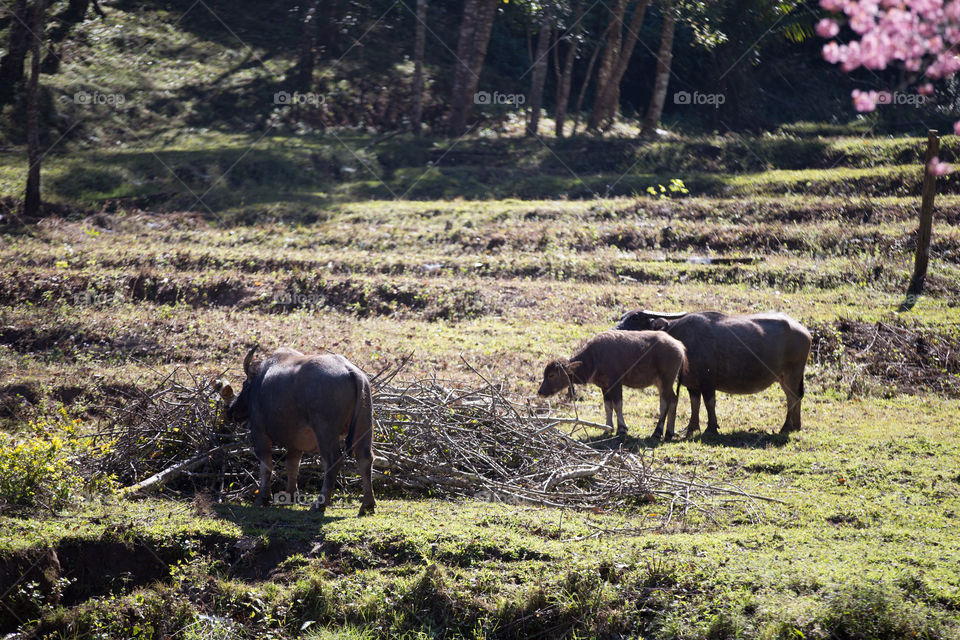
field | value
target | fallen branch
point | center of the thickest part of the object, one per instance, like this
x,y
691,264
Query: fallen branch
x,y
431,436
170,473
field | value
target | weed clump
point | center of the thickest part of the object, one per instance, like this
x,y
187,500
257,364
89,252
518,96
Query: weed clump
x,y
876,612
42,469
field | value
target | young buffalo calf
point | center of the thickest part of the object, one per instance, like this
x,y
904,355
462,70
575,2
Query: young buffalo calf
x,y
612,359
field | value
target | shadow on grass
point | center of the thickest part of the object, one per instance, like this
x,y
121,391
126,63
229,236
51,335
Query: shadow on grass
x,y
277,523
742,439
271,535
635,440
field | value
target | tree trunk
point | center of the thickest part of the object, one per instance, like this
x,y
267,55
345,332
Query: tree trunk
x,y
416,118
611,55
308,47
925,227
563,82
539,75
328,25
31,199
609,99
586,82
11,65
475,27
664,60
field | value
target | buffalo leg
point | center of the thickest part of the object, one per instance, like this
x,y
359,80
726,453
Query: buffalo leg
x,y
671,409
263,449
293,470
331,466
658,431
364,458
618,407
710,400
608,409
792,384
613,399
694,425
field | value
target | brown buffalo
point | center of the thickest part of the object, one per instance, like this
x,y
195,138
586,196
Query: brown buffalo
x,y
306,404
734,354
613,359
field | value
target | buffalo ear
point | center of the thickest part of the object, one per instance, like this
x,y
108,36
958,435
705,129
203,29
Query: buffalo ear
x,y
658,324
248,360
573,366
226,391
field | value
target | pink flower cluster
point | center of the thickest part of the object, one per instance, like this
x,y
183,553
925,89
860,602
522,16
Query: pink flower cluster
x,y
938,168
921,35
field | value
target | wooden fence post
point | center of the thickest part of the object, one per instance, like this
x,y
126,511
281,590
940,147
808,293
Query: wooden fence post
x,y
922,257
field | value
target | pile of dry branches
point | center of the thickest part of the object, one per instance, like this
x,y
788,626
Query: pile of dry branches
x,y
432,437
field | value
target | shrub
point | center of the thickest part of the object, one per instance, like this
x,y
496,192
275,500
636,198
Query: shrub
x,y
36,472
42,469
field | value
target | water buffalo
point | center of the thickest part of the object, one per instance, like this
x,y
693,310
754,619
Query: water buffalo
x,y
735,354
306,404
613,359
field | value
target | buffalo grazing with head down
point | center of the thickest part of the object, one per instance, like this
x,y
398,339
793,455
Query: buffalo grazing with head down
x,y
614,359
306,404
735,354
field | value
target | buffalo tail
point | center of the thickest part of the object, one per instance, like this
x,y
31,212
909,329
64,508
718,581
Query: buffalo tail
x,y
357,407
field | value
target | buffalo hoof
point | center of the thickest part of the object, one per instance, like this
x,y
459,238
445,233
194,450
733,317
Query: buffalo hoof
x,y
365,511
656,435
668,437
622,431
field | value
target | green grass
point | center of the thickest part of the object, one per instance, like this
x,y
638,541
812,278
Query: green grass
x,y
863,541
246,176
861,544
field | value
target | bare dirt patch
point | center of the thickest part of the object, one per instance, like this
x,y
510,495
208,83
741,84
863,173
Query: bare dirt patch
x,y
907,357
70,340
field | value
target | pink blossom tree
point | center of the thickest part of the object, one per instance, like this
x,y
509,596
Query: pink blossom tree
x,y
921,36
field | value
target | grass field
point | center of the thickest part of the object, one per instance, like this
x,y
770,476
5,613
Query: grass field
x,y
170,245
861,542
196,217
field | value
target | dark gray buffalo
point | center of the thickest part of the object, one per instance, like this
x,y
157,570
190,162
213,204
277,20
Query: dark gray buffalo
x,y
306,404
734,354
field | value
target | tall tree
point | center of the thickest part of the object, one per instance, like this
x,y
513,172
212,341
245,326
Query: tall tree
x,y
591,65
416,118
664,62
11,64
308,47
611,53
607,102
539,75
31,199
565,78
475,27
